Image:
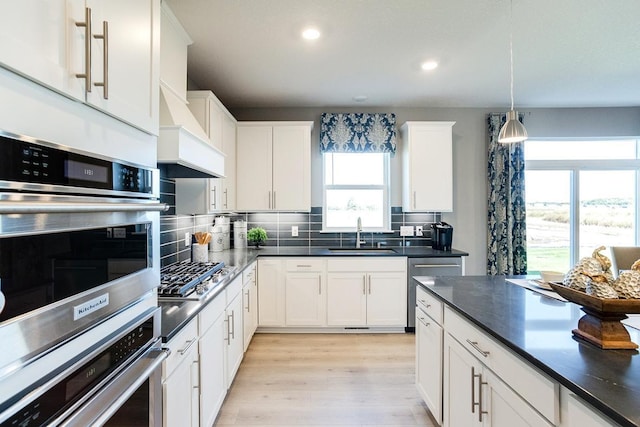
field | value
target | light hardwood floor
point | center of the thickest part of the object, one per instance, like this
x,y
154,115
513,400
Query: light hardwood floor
x,y
326,380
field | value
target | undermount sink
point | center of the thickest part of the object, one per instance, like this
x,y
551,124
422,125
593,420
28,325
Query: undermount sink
x,y
362,251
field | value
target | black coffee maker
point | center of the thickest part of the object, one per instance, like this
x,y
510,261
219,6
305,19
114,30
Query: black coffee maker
x,y
441,236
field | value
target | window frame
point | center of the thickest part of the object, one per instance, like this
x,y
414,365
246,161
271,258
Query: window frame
x,y
574,167
385,187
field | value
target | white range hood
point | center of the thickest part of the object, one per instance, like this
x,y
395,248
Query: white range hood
x,y
184,149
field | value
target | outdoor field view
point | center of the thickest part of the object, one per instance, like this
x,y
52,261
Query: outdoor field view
x,y
604,210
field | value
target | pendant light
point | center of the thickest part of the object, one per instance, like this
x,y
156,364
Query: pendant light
x,y
513,130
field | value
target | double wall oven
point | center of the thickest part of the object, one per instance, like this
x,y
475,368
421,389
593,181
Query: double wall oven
x,y
79,268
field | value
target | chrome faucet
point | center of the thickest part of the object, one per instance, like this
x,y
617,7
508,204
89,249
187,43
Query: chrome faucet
x,y
358,231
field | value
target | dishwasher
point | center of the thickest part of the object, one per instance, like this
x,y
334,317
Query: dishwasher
x,y
432,266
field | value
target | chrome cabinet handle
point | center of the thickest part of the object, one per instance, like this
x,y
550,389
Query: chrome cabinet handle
x,y
425,303
269,199
274,199
189,343
475,345
364,284
424,321
248,302
215,202
87,49
233,325
473,390
228,337
226,199
303,265
319,284
414,200
105,59
480,410
369,277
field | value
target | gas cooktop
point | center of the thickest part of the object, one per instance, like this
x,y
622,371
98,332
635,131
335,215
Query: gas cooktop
x,y
191,280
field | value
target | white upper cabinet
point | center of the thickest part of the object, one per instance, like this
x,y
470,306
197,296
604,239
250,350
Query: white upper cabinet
x,y
427,166
104,53
273,168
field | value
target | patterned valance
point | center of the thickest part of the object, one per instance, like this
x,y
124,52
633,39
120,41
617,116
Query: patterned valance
x,y
358,133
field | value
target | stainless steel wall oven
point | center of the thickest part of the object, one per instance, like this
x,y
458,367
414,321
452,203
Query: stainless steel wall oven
x,y
79,239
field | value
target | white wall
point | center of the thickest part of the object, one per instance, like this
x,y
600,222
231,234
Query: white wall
x,y
470,157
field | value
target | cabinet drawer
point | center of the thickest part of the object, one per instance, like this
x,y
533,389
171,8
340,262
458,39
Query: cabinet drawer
x,y
234,288
448,266
305,264
429,304
535,387
180,347
367,264
209,314
249,274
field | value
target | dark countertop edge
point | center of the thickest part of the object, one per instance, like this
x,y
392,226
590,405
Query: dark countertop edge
x,y
580,391
404,251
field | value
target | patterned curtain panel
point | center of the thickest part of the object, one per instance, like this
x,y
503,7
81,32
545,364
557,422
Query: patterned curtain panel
x,y
507,231
358,133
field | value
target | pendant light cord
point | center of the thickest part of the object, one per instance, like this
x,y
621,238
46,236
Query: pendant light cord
x,y
511,48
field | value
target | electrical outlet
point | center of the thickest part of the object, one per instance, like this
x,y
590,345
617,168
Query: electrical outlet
x,y
406,230
418,230
294,231
187,239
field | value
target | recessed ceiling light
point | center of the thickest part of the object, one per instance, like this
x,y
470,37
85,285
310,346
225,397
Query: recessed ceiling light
x,y
429,65
360,98
310,34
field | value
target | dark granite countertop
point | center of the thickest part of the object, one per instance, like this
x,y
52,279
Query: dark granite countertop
x,y
176,314
539,328
407,251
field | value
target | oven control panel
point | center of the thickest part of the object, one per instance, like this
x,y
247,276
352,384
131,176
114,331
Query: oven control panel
x,y
34,163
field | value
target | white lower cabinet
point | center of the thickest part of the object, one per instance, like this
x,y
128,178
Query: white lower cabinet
x,y
213,387
250,296
271,294
233,340
575,412
305,292
475,396
429,351
180,379
367,291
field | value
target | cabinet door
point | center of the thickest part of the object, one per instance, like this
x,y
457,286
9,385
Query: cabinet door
x,y
128,68
235,347
291,168
304,297
39,39
228,196
346,299
180,392
247,314
429,343
428,164
386,299
253,174
504,407
461,394
270,293
213,387
215,124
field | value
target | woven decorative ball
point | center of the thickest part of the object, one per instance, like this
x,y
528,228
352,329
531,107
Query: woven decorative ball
x,y
628,283
579,277
599,287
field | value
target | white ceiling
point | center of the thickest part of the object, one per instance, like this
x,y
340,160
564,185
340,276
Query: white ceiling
x,y
567,53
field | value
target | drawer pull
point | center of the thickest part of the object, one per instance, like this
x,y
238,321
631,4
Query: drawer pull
x,y
188,345
475,345
303,265
424,322
425,303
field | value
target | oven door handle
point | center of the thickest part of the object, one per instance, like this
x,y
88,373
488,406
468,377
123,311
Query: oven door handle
x,y
67,207
100,407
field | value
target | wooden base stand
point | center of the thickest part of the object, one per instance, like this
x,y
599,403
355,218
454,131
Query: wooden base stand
x,y
604,330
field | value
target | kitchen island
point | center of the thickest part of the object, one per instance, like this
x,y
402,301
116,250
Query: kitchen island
x,y
538,331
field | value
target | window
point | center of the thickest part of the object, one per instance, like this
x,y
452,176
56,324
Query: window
x,y
356,185
580,195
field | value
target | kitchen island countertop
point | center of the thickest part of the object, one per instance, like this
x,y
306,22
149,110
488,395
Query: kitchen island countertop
x,y
538,329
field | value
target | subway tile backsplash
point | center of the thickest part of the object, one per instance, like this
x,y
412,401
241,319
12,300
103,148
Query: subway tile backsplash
x,y
278,227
